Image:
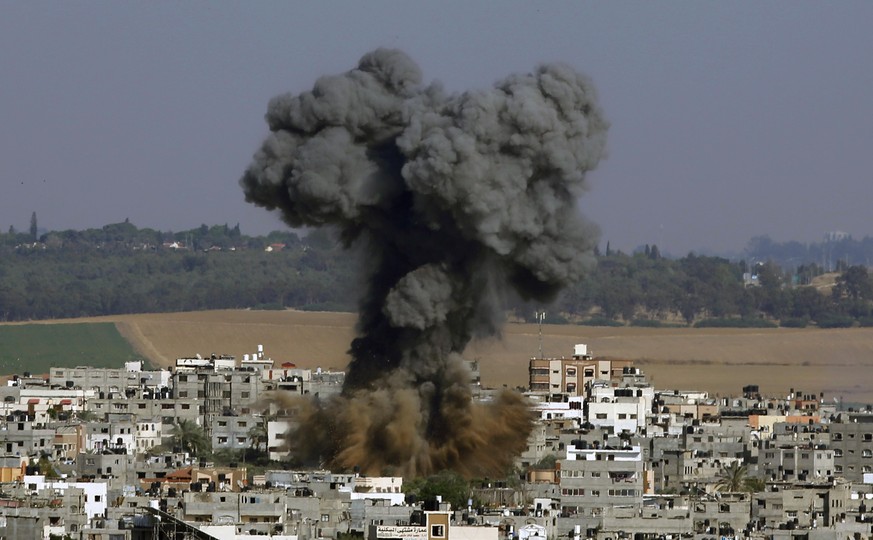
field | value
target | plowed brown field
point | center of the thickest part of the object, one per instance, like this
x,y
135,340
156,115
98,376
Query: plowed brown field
x,y
836,362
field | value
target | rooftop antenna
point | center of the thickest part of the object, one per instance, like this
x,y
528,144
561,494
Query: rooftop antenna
x,y
541,316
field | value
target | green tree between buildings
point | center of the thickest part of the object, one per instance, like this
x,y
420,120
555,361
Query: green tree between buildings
x,y
446,484
258,437
189,437
734,478
47,468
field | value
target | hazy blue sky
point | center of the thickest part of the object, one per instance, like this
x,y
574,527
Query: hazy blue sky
x,y
728,119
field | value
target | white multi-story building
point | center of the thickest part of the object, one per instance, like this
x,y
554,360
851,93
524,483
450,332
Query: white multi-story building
x,y
377,487
94,502
149,433
619,409
119,436
277,431
568,407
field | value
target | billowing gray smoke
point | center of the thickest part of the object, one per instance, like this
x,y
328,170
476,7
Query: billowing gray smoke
x,y
453,200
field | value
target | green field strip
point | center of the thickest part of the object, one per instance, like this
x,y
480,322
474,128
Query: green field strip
x,y
36,348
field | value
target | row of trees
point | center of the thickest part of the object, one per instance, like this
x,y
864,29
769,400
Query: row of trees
x,y
122,269
87,279
125,236
837,251
643,289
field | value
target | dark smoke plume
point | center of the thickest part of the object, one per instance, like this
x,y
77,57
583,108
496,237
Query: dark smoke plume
x,y
454,200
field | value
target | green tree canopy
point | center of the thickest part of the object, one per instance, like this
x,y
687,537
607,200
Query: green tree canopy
x,y
735,478
449,485
189,437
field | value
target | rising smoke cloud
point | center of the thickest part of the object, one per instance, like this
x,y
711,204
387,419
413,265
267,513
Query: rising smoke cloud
x,y
453,200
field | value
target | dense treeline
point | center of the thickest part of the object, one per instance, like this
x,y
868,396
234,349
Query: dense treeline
x,y
122,269
836,252
125,236
646,289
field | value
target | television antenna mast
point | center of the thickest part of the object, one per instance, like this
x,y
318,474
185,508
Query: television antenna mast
x,y
541,316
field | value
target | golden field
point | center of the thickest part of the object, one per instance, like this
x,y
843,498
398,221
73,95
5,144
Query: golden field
x,y
837,362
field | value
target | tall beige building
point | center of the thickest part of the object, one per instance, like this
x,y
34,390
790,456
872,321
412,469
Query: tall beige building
x,y
571,375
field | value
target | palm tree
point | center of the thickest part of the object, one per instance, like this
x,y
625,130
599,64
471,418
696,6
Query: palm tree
x,y
258,435
190,437
754,485
733,478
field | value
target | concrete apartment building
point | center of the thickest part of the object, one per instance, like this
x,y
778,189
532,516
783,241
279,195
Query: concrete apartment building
x,y
149,433
116,470
108,380
19,436
164,406
388,488
619,409
235,432
795,462
687,404
278,432
92,499
808,507
366,512
69,440
536,449
815,434
262,512
559,406
300,381
220,388
12,468
672,516
434,525
710,440
41,403
118,437
693,460
51,511
727,516
571,375
852,444
591,479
